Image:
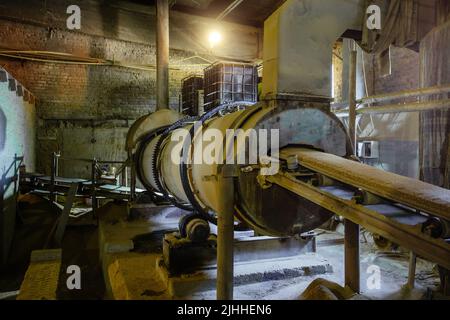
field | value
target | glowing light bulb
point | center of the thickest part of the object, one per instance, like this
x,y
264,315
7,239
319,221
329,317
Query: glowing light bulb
x,y
214,38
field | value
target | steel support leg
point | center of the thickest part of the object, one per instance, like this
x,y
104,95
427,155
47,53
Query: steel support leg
x,y
352,273
444,274
225,238
412,270
53,178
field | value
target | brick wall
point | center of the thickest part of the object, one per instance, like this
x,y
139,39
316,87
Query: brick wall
x,y
95,103
17,140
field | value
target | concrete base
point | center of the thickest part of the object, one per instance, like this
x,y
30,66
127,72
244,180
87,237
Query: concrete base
x,y
244,273
133,273
41,278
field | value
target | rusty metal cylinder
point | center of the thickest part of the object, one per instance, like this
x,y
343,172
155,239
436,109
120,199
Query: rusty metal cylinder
x,y
168,163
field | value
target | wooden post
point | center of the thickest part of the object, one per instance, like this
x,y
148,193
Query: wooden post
x,y
94,188
225,238
351,238
64,217
351,244
162,54
412,270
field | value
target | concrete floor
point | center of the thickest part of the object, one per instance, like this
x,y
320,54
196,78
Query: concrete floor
x,y
81,247
393,267
393,271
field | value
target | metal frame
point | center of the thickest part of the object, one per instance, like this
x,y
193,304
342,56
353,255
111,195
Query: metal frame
x,y
435,250
55,187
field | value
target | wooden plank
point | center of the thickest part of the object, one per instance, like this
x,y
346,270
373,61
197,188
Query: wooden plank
x,y
410,192
435,250
62,223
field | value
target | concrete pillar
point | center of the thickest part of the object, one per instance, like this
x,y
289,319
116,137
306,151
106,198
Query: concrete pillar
x,y
225,238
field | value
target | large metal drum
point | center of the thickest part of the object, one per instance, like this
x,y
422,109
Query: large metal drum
x,y
192,183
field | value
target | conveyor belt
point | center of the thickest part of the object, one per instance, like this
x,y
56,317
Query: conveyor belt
x,y
397,221
392,211
399,225
410,192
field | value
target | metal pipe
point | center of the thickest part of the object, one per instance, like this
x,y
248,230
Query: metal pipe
x,y
162,54
53,177
133,177
94,187
228,10
225,239
352,99
405,94
407,107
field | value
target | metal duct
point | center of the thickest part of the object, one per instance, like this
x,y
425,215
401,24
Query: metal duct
x,y
298,42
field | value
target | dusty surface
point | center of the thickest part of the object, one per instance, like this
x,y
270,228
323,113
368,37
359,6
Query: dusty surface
x,y
393,271
393,267
408,191
81,247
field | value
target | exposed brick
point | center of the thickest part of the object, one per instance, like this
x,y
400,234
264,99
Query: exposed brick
x,y
69,94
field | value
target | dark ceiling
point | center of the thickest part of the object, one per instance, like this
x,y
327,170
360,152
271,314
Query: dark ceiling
x,y
249,12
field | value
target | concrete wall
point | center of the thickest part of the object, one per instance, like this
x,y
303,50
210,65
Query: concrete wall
x,y
17,139
85,111
397,133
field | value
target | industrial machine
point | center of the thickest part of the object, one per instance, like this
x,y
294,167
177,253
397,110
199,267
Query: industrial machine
x,y
318,176
191,185
311,173
305,129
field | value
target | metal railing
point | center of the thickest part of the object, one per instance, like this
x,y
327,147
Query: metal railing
x,y
96,175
